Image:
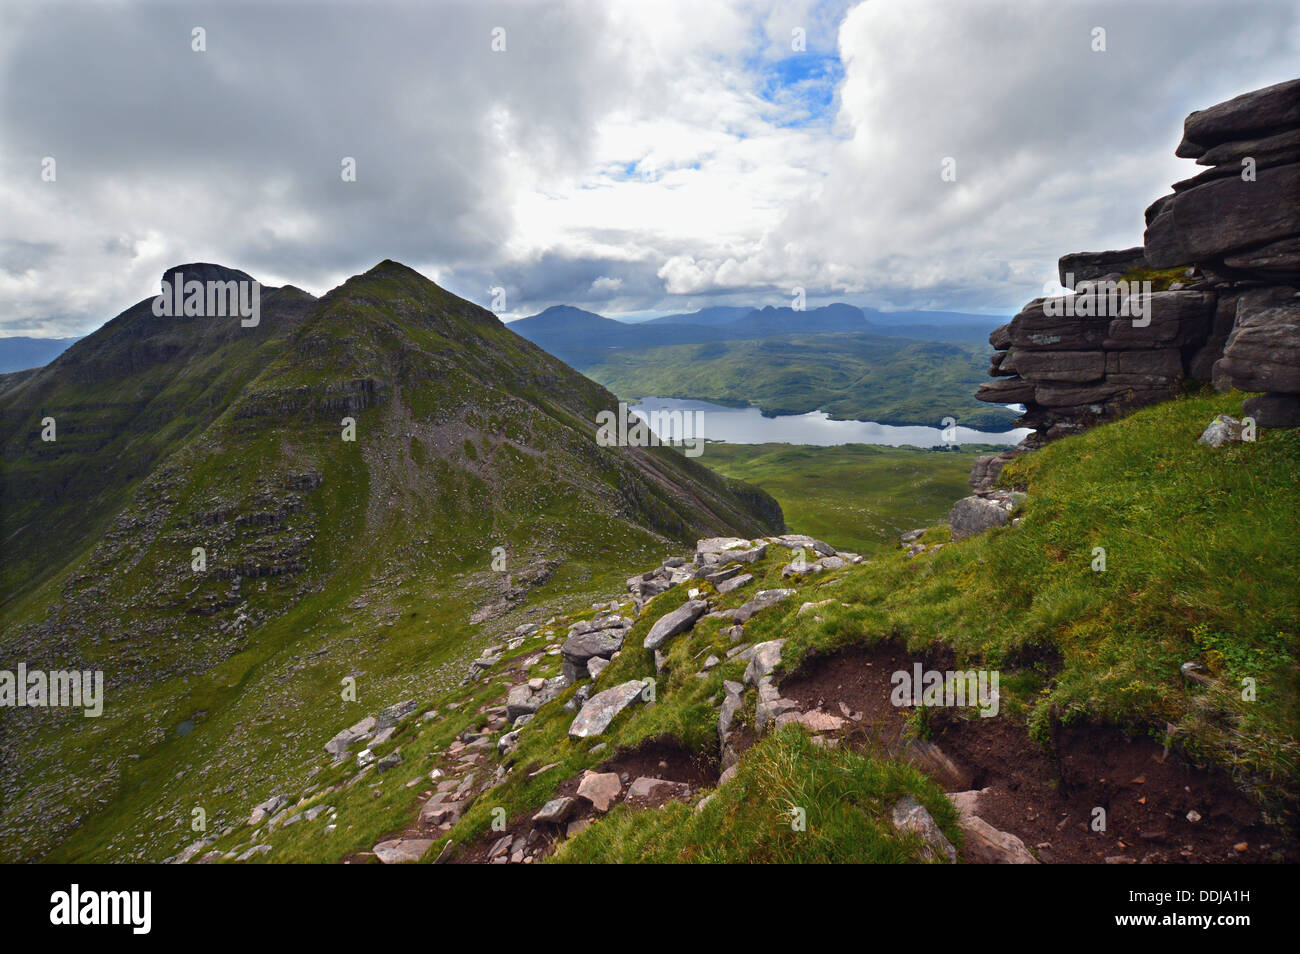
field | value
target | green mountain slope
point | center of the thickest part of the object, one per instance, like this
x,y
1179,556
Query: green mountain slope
x,y
474,480
122,399
1201,559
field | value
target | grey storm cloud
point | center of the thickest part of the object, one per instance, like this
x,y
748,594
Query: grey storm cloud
x,y
517,169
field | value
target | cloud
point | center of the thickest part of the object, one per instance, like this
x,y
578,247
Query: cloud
x,y
637,157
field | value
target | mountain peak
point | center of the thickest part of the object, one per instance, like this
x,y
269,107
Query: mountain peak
x,y
206,272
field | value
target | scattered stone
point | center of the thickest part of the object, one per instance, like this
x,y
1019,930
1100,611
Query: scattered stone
x,y
601,789
761,601
671,624
339,745
267,809
735,583
763,661
557,811
656,791
600,710
1222,430
402,850
909,815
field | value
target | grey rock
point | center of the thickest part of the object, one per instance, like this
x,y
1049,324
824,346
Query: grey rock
x,y
339,745
1223,215
671,624
735,583
909,815
762,600
974,515
601,789
1263,351
1090,266
764,660
557,811
1260,111
402,850
1274,410
601,709
1222,430
267,808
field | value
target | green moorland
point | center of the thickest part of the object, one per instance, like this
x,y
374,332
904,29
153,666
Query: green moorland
x,y
859,495
1201,560
849,376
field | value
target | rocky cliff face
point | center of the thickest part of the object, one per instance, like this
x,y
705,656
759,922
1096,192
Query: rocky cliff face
x,y
1232,318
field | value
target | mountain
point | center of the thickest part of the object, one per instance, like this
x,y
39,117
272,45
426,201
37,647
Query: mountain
x,y
18,353
705,317
474,485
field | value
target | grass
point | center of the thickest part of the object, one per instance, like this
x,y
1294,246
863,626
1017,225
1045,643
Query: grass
x,y
791,802
860,496
1201,559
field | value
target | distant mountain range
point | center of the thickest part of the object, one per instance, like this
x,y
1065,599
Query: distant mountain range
x,y
19,353
913,367
584,338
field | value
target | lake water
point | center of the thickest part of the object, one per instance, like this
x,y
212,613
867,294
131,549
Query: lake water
x,y
747,425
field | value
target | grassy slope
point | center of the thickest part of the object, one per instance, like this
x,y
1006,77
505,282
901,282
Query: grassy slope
x,y
860,496
857,377
1201,562
483,441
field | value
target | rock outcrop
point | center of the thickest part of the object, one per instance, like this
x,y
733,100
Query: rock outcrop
x,y
1113,345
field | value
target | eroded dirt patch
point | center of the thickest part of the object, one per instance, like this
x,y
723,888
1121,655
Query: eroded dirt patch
x,y
1158,809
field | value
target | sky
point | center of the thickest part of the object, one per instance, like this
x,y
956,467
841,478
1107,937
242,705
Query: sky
x,y
628,157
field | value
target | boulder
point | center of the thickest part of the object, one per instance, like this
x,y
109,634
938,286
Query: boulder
x,y
974,515
557,811
1222,430
981,842
1263,351
527,698
910,816
600,710
671,624
1274,410
761,601
402,850
1223,215
395,714
735,583
601,642
733,696
339,745
763,661
1260,111
1090,266
601,789
267,809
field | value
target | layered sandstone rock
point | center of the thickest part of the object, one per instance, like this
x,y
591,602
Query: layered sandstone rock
x,y
1112,346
